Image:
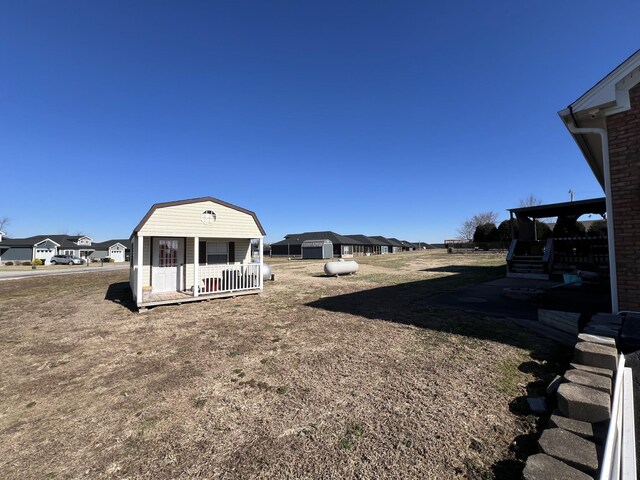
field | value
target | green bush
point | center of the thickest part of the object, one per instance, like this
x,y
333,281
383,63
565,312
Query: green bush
x,y
26,264
598,228
8,264
568,227
487,232
543,231
504,230
37,262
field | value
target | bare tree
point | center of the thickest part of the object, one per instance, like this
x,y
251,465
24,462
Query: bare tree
x,y
530,201
467,230
469,226
485,217
4,221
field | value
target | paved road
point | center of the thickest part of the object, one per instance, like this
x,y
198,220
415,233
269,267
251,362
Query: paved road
x,y
68,270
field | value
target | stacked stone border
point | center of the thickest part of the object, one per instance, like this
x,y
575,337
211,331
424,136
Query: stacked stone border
x,y
591,434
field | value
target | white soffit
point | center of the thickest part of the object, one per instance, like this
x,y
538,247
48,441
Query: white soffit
x,y
612,92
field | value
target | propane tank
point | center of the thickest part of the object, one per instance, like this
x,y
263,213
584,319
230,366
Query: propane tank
x,y
341,268
266,272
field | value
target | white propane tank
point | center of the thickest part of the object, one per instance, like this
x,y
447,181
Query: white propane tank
x,y
266,272
341,268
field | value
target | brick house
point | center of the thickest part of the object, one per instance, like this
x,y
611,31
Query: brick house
x,y
605,123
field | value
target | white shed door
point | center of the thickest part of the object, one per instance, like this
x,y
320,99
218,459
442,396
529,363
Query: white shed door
x,y
117,254
166,265
45,254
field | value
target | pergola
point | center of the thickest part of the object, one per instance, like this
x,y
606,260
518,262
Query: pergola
x,y
526,216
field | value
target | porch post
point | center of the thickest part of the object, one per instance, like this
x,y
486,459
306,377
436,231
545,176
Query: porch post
x,y
196,264
139,263
260,277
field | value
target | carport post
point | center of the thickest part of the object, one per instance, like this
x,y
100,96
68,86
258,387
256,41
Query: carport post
x,y
139,254
196,262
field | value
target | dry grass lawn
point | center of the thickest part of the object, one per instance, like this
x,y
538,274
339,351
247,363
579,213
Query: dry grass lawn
x,y
317,377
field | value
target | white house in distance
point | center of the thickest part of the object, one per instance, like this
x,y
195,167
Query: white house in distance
x,y
195,249
44,247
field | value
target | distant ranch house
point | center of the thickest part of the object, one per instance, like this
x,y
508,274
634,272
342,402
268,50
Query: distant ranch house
x,y
44,247
344,246
291,246
195,249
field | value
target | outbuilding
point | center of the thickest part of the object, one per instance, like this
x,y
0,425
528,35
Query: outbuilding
x,y
195,249
317,249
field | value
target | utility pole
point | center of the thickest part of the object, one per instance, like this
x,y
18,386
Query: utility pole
x,y
571,194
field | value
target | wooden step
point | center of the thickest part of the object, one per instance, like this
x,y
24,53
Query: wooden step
x,y
528,258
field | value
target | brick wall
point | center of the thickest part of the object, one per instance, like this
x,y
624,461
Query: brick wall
x,y
624,157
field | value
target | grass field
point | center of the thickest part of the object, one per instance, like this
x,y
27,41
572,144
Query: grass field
x,y
318,377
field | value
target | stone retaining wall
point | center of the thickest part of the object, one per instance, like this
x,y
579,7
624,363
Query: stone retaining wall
x,y
572,447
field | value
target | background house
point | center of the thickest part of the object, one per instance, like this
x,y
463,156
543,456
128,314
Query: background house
x,y
370,245
46,246
291,246
345,246
118,250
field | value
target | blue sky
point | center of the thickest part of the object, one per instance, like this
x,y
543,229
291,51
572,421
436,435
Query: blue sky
x,y
385,118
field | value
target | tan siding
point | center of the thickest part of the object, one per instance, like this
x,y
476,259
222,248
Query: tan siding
x,y
132,252
189,267
146,263
243,251
184,220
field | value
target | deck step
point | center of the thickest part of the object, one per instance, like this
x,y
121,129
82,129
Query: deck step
x,y
546,331
535,276
527,258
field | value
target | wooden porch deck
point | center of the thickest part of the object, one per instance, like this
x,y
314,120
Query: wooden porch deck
x,y
168,298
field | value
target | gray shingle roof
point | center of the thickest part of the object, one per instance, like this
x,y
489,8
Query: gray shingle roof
x,y
65,242
298,238
384,240
105,245
395,242
366,240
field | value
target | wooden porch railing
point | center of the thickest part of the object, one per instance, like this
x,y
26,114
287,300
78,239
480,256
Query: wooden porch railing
x,y
228,278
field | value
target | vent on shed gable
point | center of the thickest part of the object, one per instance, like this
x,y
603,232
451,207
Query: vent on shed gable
x,y
208,217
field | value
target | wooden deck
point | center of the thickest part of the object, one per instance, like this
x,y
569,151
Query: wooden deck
x,y
168,298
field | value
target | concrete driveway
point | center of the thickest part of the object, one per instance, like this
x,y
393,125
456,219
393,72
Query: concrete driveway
x,y
66,270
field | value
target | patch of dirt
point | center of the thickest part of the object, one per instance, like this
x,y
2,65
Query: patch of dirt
x,y
268,386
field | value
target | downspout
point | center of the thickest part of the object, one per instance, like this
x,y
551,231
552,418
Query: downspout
x,y
613,274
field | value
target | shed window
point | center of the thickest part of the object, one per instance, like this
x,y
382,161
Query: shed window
x,y
217,253
167,253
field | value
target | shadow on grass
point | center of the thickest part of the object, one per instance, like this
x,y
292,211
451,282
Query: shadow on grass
x,y
470,271
120,293
405,303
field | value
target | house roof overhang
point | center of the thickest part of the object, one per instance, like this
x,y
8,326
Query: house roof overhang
x,y
607,97
195,200
580,207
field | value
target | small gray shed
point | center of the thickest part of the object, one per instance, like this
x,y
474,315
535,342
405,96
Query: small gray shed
x,y
317,249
